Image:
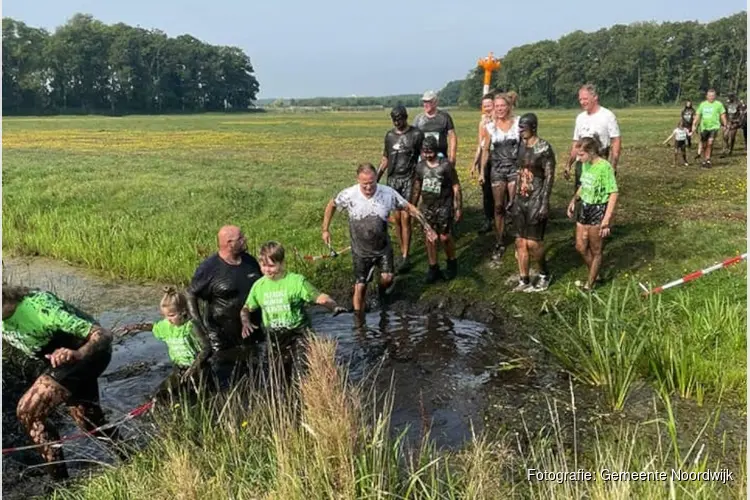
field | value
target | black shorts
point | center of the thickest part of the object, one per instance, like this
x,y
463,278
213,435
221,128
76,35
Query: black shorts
x,y
439,218
364,267
525,225
80,378
591,215
402,185
680,145
503,173
709,134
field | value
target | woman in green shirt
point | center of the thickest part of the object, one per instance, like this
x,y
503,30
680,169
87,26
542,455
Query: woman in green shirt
x,y
187,344
598,195
282,296
76,350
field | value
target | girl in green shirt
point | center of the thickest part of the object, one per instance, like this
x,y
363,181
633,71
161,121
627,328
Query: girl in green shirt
x,y
187,344
598,195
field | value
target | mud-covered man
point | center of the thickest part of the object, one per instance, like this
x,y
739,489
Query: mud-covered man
x,y
403,144
222,282
736,112
368,205
686,116
536,174
438,124
74,348
438,186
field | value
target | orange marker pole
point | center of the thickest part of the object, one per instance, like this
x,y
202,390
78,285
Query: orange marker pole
x,y
489,64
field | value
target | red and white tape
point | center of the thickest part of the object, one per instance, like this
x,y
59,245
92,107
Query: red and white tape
x,y
136,412
694,276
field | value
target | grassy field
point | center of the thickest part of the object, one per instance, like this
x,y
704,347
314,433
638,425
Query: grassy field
x,y
142,197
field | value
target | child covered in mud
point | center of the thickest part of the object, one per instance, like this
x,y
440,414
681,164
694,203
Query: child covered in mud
x,y
680,135
282,296
187,344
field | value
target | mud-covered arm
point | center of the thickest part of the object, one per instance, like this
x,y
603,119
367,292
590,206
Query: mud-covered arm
x,y
458,201
131,328
484,139
99,339
549,180
384,160
417,214
452,145
202,336
668,138
196,291
614,152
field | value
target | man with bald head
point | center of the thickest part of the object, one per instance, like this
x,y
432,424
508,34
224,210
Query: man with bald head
x,y
223,282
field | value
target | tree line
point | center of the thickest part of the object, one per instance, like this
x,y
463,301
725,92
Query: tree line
x,y
86,66
638,64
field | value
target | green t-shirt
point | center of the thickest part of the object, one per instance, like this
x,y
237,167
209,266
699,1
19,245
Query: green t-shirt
x,y
710,113
597,182
40,317
282,301
181,341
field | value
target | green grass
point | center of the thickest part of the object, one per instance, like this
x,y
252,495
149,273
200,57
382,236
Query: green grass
x,y
142,198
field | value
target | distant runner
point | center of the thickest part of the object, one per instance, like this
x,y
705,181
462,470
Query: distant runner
x,y
188,346
438,187
536,174
598,196
681,136
75,349
439,124
483,174
500,154
282,297
735,112
368,205
710,117
403,144
223,281
687,115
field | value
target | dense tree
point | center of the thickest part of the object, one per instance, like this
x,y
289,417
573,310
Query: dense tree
x,y
643,63
87,66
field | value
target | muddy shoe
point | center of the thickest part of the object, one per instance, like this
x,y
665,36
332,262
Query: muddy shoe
x,y
498,252
405,266
522,286
451,269
433,275
541,284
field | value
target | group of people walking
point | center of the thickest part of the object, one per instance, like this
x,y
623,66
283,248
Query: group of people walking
x,y
235,303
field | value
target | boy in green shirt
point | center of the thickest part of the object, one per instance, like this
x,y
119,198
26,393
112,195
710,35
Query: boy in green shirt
x,y
598,195
281,296
711,116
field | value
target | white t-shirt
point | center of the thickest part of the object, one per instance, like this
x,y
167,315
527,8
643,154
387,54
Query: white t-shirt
x,y
603,123
680,134
368,217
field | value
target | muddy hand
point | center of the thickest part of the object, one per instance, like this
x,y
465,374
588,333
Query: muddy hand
x,y
339,310
63,356
248,329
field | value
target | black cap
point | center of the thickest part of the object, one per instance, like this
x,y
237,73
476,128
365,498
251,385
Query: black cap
x,y
399,111
430,143
528,121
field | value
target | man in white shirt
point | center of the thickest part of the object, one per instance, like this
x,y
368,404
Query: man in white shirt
x,y
594,121
368,205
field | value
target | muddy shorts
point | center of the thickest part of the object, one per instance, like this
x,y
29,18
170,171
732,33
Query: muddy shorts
x,y
709,134
591,215
80,378
402,185
526,226
680,145
503,173
364,267
440,218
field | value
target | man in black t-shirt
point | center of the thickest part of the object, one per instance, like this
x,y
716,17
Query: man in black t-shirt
x,y
223,282
735,113
439,124
403,144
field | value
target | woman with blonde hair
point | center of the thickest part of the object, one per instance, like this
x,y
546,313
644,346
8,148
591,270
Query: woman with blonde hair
x,y
502,135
